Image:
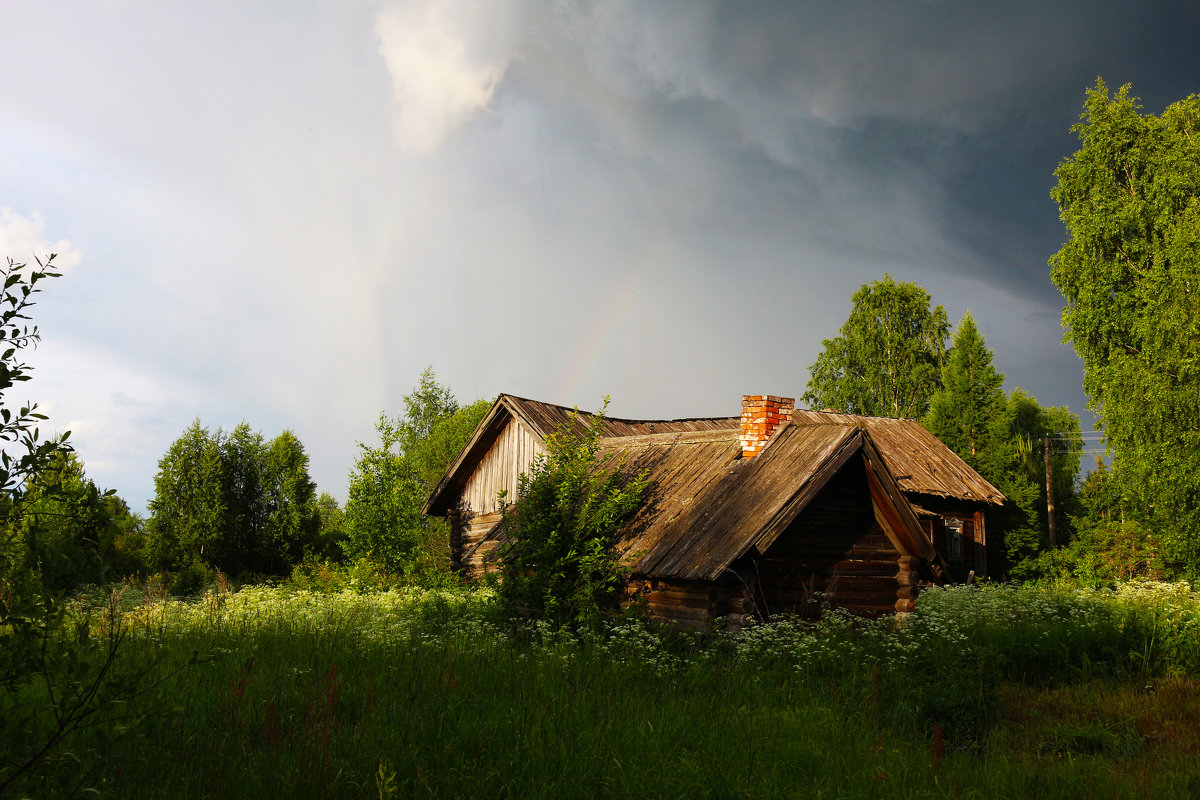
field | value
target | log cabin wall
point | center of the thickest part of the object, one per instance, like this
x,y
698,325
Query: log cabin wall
x,y
684,605
472,538
500,468
834,553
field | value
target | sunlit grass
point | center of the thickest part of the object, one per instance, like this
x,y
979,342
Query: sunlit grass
x,y
433,693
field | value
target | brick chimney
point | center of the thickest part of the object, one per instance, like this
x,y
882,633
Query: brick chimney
x,y
761,415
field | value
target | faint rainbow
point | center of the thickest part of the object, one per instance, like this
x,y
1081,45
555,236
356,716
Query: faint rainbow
x,y
615,308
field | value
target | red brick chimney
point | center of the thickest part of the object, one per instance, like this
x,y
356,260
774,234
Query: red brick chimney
x,y
761,415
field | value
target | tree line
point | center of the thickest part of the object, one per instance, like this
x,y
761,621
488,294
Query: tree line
x,y
238,503
891,359
1129,271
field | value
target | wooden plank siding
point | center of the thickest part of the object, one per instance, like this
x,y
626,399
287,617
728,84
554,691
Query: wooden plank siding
x,y
472,538
685,605
500,469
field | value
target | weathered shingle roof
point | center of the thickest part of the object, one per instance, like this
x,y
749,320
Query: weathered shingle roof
x,y
546,418
543,419
706,506
919,461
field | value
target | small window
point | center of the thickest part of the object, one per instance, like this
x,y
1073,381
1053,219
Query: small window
x,y
954,529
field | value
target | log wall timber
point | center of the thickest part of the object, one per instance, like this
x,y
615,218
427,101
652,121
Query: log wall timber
x,y
834,553
472,538
500,468
687,605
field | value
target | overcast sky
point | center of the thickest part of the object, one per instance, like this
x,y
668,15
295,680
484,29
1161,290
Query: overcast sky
x,y
282,211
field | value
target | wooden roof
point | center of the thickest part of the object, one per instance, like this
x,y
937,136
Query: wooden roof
x,y
706,506
917,459
544,419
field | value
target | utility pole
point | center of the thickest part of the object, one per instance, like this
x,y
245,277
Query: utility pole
x,y
1050,495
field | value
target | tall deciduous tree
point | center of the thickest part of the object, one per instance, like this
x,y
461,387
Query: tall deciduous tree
x,y
391,480
963,411
888,357
1130,273
188,513
233,502
292,519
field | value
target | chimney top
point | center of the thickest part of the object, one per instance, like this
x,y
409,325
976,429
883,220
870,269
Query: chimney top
x,y
762,414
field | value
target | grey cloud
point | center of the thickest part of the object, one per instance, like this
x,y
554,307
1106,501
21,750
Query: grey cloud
x,y
670,202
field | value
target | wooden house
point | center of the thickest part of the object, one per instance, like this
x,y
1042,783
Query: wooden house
x,y
778,510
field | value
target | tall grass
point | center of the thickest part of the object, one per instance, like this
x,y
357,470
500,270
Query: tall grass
x,y
413,693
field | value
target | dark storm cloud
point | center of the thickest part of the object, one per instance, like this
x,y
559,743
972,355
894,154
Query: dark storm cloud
x,y
910,133
293,206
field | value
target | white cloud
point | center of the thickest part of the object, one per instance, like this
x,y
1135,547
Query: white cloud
x,y
446,58
24,238
122,416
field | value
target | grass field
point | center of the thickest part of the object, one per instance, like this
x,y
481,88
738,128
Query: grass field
x,y
272,692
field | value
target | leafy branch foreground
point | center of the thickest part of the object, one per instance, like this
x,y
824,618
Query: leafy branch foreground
x,y
1002,692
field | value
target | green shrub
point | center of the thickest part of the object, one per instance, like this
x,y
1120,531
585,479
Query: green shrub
x,y
557,558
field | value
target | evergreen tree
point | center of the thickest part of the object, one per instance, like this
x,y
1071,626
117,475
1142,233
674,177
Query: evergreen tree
x,y
888,357
1015,464
1003,438
963,412
245,502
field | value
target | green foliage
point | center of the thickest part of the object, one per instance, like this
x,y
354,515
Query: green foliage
x,y
1015,463
391,481
292,515
1130,201
963,411
1041,692
231,502
887,360
29,610
1003,438
363,576
1104,552
79,533
57,679
1106,547
332,528
187,514
558,560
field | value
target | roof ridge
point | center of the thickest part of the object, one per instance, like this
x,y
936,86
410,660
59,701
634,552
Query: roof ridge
x,y
628,420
